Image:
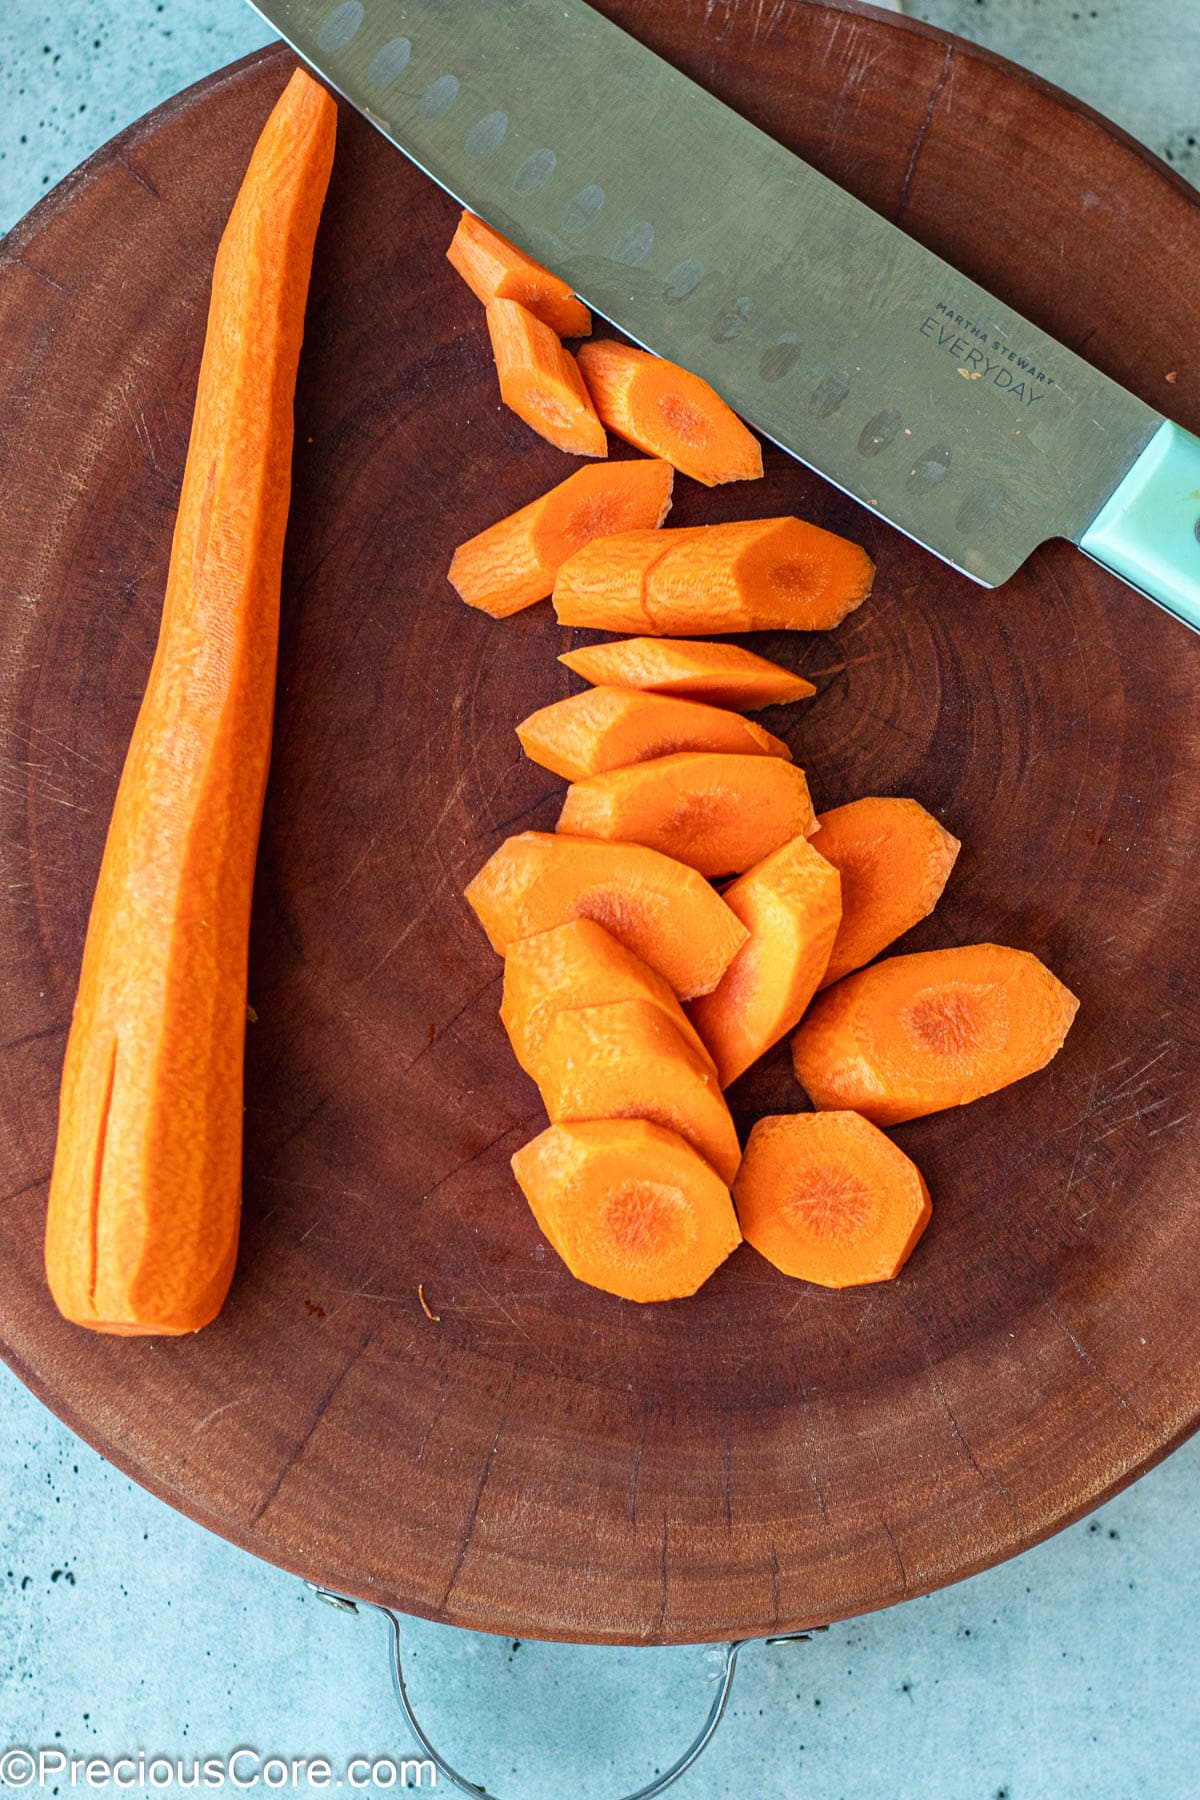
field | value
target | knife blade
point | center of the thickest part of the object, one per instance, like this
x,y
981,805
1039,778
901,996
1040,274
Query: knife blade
x,y
830,330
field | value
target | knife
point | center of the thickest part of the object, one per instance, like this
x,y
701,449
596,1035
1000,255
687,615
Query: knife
x,y
830,330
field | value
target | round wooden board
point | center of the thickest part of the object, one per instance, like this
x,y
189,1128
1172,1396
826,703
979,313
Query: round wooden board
x,y
542,1459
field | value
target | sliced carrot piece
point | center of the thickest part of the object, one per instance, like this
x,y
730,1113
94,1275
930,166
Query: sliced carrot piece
x,y
790,903
748,575
513,563
716,812
541,382
142,1226
625,1060
691,669
667,411
755,575
914,1034
577,964
606,582
827,1198
894,859
610,728
494,269
660,909
629,1207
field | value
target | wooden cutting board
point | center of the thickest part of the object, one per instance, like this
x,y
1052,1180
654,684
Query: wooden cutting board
x,y
541,1459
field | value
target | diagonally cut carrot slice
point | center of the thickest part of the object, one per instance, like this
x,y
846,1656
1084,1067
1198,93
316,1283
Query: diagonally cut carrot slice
x,y
610,728
914,1034
494,269
827,1198
514,562
626,1060
718,813
790,904
748,575
540,381
894,859
630,1207
660,909
690,669
666,411
577,964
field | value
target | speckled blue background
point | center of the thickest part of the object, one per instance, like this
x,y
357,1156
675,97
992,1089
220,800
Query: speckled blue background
x,y
1069,1674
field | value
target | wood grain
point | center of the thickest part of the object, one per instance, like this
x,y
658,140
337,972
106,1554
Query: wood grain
x,y
545,1461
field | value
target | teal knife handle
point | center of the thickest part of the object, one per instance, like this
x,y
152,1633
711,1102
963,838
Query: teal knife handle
x,y
1149,532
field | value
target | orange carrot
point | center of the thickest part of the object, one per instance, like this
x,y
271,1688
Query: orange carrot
x,y
661,910
755,575
541,382
914,1034
790,904
609,728
628,1206
827,1198
668,412
894,860
718,813
626,1060
577,964
513,563
749,575
606,580
691,669
141,1234
494,269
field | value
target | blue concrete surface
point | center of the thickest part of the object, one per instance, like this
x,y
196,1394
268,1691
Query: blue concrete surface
x,y
1069,1674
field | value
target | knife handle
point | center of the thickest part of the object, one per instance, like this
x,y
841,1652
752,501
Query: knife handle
x,y
1148,533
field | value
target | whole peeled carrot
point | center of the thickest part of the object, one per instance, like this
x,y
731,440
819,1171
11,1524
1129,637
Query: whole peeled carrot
x,y
145,1195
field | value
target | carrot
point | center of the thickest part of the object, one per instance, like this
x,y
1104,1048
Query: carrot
x,y
494,269
690,669
142,1228
609,728
748,575
626,1060
577,964
606,581
513,563
629,1207
666,411
661,910
790,903
541,382
755,575
826,1197
894,859
716,812
914,1034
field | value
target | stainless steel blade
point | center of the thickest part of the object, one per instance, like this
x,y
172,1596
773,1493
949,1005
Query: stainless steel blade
x,y
825,326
